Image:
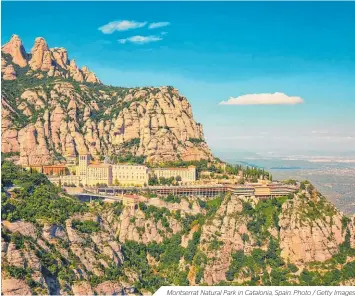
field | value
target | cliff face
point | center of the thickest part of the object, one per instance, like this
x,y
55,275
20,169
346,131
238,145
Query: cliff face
x,y
311,229
304,230
16,50
94,253
52,109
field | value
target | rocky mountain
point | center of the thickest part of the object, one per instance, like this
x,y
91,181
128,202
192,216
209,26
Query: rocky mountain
x,y
43,61
53,110
53,244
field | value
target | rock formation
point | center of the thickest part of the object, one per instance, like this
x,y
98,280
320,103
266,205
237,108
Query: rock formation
x,y
41,56
11,286
60,56
16,50
310,233
228,228
89,76
9,73
52,62
46,122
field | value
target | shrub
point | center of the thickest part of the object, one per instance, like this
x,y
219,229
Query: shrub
x,y
196,140
17,272
18,240
292,267
87,226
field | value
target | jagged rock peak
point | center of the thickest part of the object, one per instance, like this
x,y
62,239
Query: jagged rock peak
x,y
55,61
60,56
75,72
16,50
89,76
41,42
73,64
41,55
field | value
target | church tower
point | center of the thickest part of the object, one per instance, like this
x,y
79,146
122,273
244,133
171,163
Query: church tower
x,y
84,161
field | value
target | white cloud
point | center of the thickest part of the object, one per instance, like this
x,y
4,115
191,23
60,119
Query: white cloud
x,y
263,99
121,26
140,39
158,25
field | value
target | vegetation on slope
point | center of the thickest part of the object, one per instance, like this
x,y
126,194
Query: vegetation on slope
x,y
147,266
36,198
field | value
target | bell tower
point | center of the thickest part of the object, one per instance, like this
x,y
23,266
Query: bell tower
x,y
84,161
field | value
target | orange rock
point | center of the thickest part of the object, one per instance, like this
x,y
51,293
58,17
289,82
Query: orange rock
x,y
13,286
9,73
15,48
41,55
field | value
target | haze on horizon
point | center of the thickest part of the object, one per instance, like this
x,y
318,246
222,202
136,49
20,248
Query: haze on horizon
x,y
284,71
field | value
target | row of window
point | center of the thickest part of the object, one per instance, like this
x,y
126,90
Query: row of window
x,y
128,177
174,175
129,167
98,174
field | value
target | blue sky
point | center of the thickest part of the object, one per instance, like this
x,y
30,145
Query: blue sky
x,y
216,50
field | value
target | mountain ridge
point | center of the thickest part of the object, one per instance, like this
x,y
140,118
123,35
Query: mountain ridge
x,y
53,111
52,61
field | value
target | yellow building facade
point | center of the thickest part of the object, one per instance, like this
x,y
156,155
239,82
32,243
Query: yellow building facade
x,y
93,174
98,174
187,174
262,191
130,175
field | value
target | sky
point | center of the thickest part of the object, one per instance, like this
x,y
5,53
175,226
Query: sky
x,y
261,76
